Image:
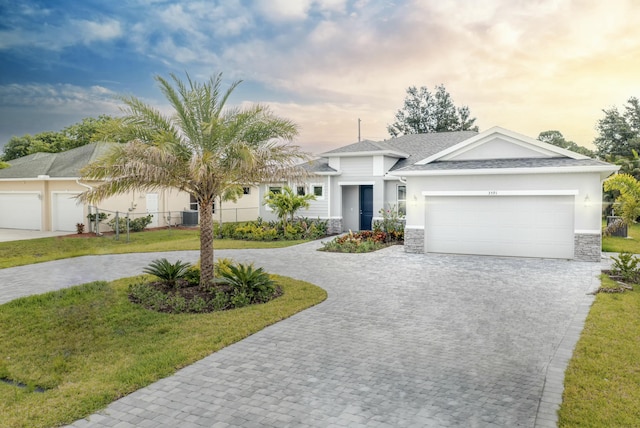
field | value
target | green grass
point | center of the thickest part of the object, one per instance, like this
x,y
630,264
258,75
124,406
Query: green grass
x,y
88,345
616,244
17,253
602,382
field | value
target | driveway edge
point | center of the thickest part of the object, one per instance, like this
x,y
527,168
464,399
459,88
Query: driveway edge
x,y
551,399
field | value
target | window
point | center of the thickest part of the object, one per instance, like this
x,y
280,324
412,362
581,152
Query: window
x,y
246,190
275,189
193,203
318,190
402,200
300,191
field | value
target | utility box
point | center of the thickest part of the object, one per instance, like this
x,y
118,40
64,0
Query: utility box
x,y
190,218
620,230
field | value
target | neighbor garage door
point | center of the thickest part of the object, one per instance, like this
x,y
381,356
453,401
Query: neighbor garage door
x,y
66,210
524,226
21,211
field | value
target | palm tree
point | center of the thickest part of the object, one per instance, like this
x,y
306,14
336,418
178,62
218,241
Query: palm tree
x,y
205,149
285,203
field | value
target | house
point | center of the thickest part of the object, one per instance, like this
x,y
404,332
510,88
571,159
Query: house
x,y
38,192
491,193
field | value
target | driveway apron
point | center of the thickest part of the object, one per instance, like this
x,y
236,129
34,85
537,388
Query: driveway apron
x,y
402,340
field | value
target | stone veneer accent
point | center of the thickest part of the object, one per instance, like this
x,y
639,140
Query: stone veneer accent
x,y
413,240
334,226
587,247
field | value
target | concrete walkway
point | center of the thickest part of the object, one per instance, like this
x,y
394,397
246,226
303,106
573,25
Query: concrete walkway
x,y
403,340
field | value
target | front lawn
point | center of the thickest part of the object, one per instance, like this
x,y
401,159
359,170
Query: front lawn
x,y
88,345
17,253
616,244
602,382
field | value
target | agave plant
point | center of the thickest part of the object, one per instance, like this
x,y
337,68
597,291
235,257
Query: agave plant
x,y
167,271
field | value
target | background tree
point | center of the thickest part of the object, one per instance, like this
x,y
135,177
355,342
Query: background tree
x,y
557,139
619,133
205,149
425,112
286,203
628,200
88,130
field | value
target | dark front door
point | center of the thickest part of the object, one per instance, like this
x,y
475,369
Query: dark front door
x,y
366,207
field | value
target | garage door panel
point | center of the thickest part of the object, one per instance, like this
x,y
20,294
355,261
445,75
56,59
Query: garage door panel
x,y
21,211
527,226
66,211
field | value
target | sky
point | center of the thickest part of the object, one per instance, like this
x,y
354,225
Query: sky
x,y
526,65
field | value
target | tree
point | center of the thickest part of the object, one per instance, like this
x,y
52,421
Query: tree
x,y
204,148
628,201
424,112
79,134
619,133
557,139
286,203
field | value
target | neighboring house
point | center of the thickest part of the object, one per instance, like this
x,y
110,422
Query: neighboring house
x,y
38,192
490,193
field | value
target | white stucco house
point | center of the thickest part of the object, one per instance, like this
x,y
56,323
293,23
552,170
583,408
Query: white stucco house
x,y
491,193
38,192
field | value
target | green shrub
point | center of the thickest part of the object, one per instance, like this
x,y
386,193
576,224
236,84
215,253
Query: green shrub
x,y
626,265
167,271
135,225
360,242
247,282
259,230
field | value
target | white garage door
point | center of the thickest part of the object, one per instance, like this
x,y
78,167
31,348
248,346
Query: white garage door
x,y
524,226
66,212
21,211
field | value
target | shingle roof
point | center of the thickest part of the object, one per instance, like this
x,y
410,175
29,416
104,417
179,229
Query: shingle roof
x,y
505,163
64,164
318,166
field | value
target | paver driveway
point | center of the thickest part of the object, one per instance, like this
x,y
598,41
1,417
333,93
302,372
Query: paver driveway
x,y
402,340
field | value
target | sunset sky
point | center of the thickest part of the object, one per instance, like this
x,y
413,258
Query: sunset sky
x,y
528,66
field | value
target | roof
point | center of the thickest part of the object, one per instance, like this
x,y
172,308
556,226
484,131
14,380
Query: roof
x,y
61,165
555,162
318,166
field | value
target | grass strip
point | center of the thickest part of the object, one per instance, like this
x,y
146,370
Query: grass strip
x,y
602,382
18,253
87,346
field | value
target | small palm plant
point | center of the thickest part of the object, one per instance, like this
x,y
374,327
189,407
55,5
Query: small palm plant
x,y
167,271
254,284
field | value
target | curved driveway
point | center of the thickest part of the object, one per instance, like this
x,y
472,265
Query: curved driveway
x,y
402,340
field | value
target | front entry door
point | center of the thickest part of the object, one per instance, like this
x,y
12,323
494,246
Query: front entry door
x,y
366,207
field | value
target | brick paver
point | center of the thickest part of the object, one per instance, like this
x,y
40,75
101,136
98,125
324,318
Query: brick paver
x,y
404,340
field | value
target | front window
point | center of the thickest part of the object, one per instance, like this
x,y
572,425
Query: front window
x,y
300,191
275,189
401,201
246,190
318,191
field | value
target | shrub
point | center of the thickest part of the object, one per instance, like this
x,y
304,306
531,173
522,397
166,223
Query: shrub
x,y
135,225
167,271
361,242
247,283
626,265
80,228
259,230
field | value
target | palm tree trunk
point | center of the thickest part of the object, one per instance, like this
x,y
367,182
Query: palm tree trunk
x,y
206,244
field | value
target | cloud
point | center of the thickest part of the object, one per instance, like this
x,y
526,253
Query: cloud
x,y
65,97
58,37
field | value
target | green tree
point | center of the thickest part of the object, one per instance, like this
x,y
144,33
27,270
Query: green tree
x,y
204,148
619,133
557,139
425,112
287,203
88,130
17,147
628,199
